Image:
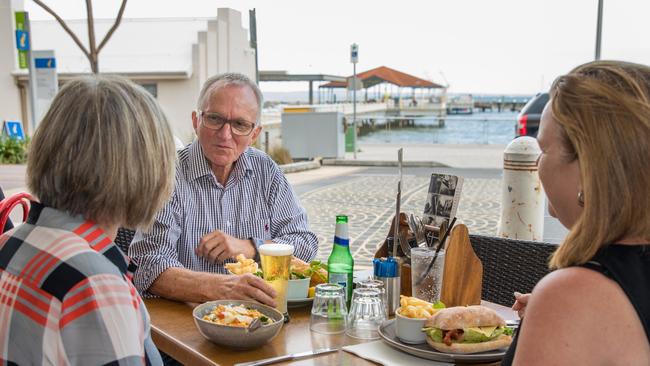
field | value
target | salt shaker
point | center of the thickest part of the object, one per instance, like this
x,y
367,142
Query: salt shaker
x,y
387,271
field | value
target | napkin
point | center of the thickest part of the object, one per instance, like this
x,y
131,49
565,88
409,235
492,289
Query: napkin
x,y
380,352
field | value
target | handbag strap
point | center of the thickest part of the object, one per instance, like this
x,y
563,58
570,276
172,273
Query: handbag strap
x,y
9,203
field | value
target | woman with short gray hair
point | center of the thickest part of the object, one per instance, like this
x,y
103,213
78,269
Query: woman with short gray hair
x,y
102,157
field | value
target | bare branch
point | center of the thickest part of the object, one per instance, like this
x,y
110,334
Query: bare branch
x,y
65,27
91,36
118,19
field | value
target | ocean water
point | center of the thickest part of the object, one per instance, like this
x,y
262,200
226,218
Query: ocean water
x,y
477,128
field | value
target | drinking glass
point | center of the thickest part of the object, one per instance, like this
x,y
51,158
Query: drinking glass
x,y
367,312
427,285
328,313
276,259
378,285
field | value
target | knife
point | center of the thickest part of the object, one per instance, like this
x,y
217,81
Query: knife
x,y
291,356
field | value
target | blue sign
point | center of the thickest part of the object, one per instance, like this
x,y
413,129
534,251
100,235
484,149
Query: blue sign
x,y
22,40
45,63
14,129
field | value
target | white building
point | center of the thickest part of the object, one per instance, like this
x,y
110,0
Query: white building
x,y
170,57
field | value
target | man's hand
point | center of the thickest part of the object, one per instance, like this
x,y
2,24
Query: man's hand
x,y
218,246
521,300
244,287
185,285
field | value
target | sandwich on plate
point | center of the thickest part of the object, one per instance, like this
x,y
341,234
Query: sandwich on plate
x,y
467,329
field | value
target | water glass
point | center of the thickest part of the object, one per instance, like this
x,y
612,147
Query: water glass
x,y
425,285
367,312
329,313
378,285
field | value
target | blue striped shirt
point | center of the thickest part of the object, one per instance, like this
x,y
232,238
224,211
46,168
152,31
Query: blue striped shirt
x,y
256,202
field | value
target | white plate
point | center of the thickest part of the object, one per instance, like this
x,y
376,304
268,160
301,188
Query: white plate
x,y
296,303
387,333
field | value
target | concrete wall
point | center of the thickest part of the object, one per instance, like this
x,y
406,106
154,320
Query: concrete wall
x,y
235,50
9,92
224,47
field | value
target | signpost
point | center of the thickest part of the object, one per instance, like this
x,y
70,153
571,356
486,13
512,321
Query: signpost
x,y
354,58
44,78
14,129
22,38
43,81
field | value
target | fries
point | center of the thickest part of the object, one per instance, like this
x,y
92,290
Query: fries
x,y
412,307
242,266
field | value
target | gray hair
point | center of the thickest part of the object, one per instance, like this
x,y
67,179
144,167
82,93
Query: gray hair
x,y
104,150
222,80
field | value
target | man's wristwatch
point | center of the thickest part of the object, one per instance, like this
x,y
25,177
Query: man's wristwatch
x,y
256,243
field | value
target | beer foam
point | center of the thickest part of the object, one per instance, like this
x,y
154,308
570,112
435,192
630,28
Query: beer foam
x,y
275,250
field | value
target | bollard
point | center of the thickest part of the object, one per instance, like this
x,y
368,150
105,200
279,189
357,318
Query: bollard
x,y
522,199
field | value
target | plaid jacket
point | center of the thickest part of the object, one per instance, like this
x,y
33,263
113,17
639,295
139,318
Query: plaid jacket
x,y
66,296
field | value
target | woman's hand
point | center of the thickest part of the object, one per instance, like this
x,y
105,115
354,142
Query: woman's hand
x,y
521,300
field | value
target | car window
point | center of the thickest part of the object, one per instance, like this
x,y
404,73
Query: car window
x,y
538,103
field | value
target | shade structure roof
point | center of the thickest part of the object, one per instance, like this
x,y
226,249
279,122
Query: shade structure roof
x,y
385,74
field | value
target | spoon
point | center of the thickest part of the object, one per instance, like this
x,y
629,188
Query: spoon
x,y
254,325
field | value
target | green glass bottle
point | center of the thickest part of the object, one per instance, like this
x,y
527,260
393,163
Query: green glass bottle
x,y
340,263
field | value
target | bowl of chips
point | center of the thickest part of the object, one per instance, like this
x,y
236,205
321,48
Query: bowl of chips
x,y
410,318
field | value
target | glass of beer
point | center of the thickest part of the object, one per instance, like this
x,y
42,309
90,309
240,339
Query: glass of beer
x,y
276,259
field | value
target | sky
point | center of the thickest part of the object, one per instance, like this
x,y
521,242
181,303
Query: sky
x,y
474,46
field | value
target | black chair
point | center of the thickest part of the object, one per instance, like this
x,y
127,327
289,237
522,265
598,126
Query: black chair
x,y
510,265
124,238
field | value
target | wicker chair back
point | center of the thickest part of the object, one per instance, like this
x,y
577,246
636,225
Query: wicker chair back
x,y
510,265
124,238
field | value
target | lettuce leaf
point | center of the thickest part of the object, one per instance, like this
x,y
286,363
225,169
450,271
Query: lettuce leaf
x,y
433,333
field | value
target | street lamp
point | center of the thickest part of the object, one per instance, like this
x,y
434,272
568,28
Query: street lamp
x,y
599,28
354,58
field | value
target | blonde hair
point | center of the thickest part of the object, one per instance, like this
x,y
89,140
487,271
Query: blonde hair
x,y
104,150
603,109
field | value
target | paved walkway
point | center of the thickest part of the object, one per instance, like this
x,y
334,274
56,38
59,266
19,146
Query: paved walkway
x,y
369,201
12,178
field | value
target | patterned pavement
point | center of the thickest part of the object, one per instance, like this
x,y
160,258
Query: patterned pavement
x,y
369,201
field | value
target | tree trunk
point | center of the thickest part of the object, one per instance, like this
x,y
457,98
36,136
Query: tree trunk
x,y
94,64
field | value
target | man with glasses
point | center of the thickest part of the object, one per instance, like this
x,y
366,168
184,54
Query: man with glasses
x,y
229,198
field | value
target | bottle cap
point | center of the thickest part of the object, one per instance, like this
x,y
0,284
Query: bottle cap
x,y
385,267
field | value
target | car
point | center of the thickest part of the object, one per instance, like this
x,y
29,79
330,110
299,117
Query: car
x,y
528,118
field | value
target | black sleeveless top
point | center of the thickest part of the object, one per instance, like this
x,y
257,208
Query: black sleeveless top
x,y
627,265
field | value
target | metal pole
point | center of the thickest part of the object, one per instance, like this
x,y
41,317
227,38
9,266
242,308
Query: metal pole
x,y
32,77
354,107
599,28
252,21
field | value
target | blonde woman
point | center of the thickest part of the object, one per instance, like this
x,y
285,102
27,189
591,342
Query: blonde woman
x,y
595,141
101,158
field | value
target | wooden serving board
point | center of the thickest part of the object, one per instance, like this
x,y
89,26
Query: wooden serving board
x,y
405,280
463,273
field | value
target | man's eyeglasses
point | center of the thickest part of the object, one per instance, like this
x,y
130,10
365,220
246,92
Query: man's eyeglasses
x,y
215,122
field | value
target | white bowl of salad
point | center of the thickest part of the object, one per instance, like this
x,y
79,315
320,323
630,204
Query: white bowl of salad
x,y
225,322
